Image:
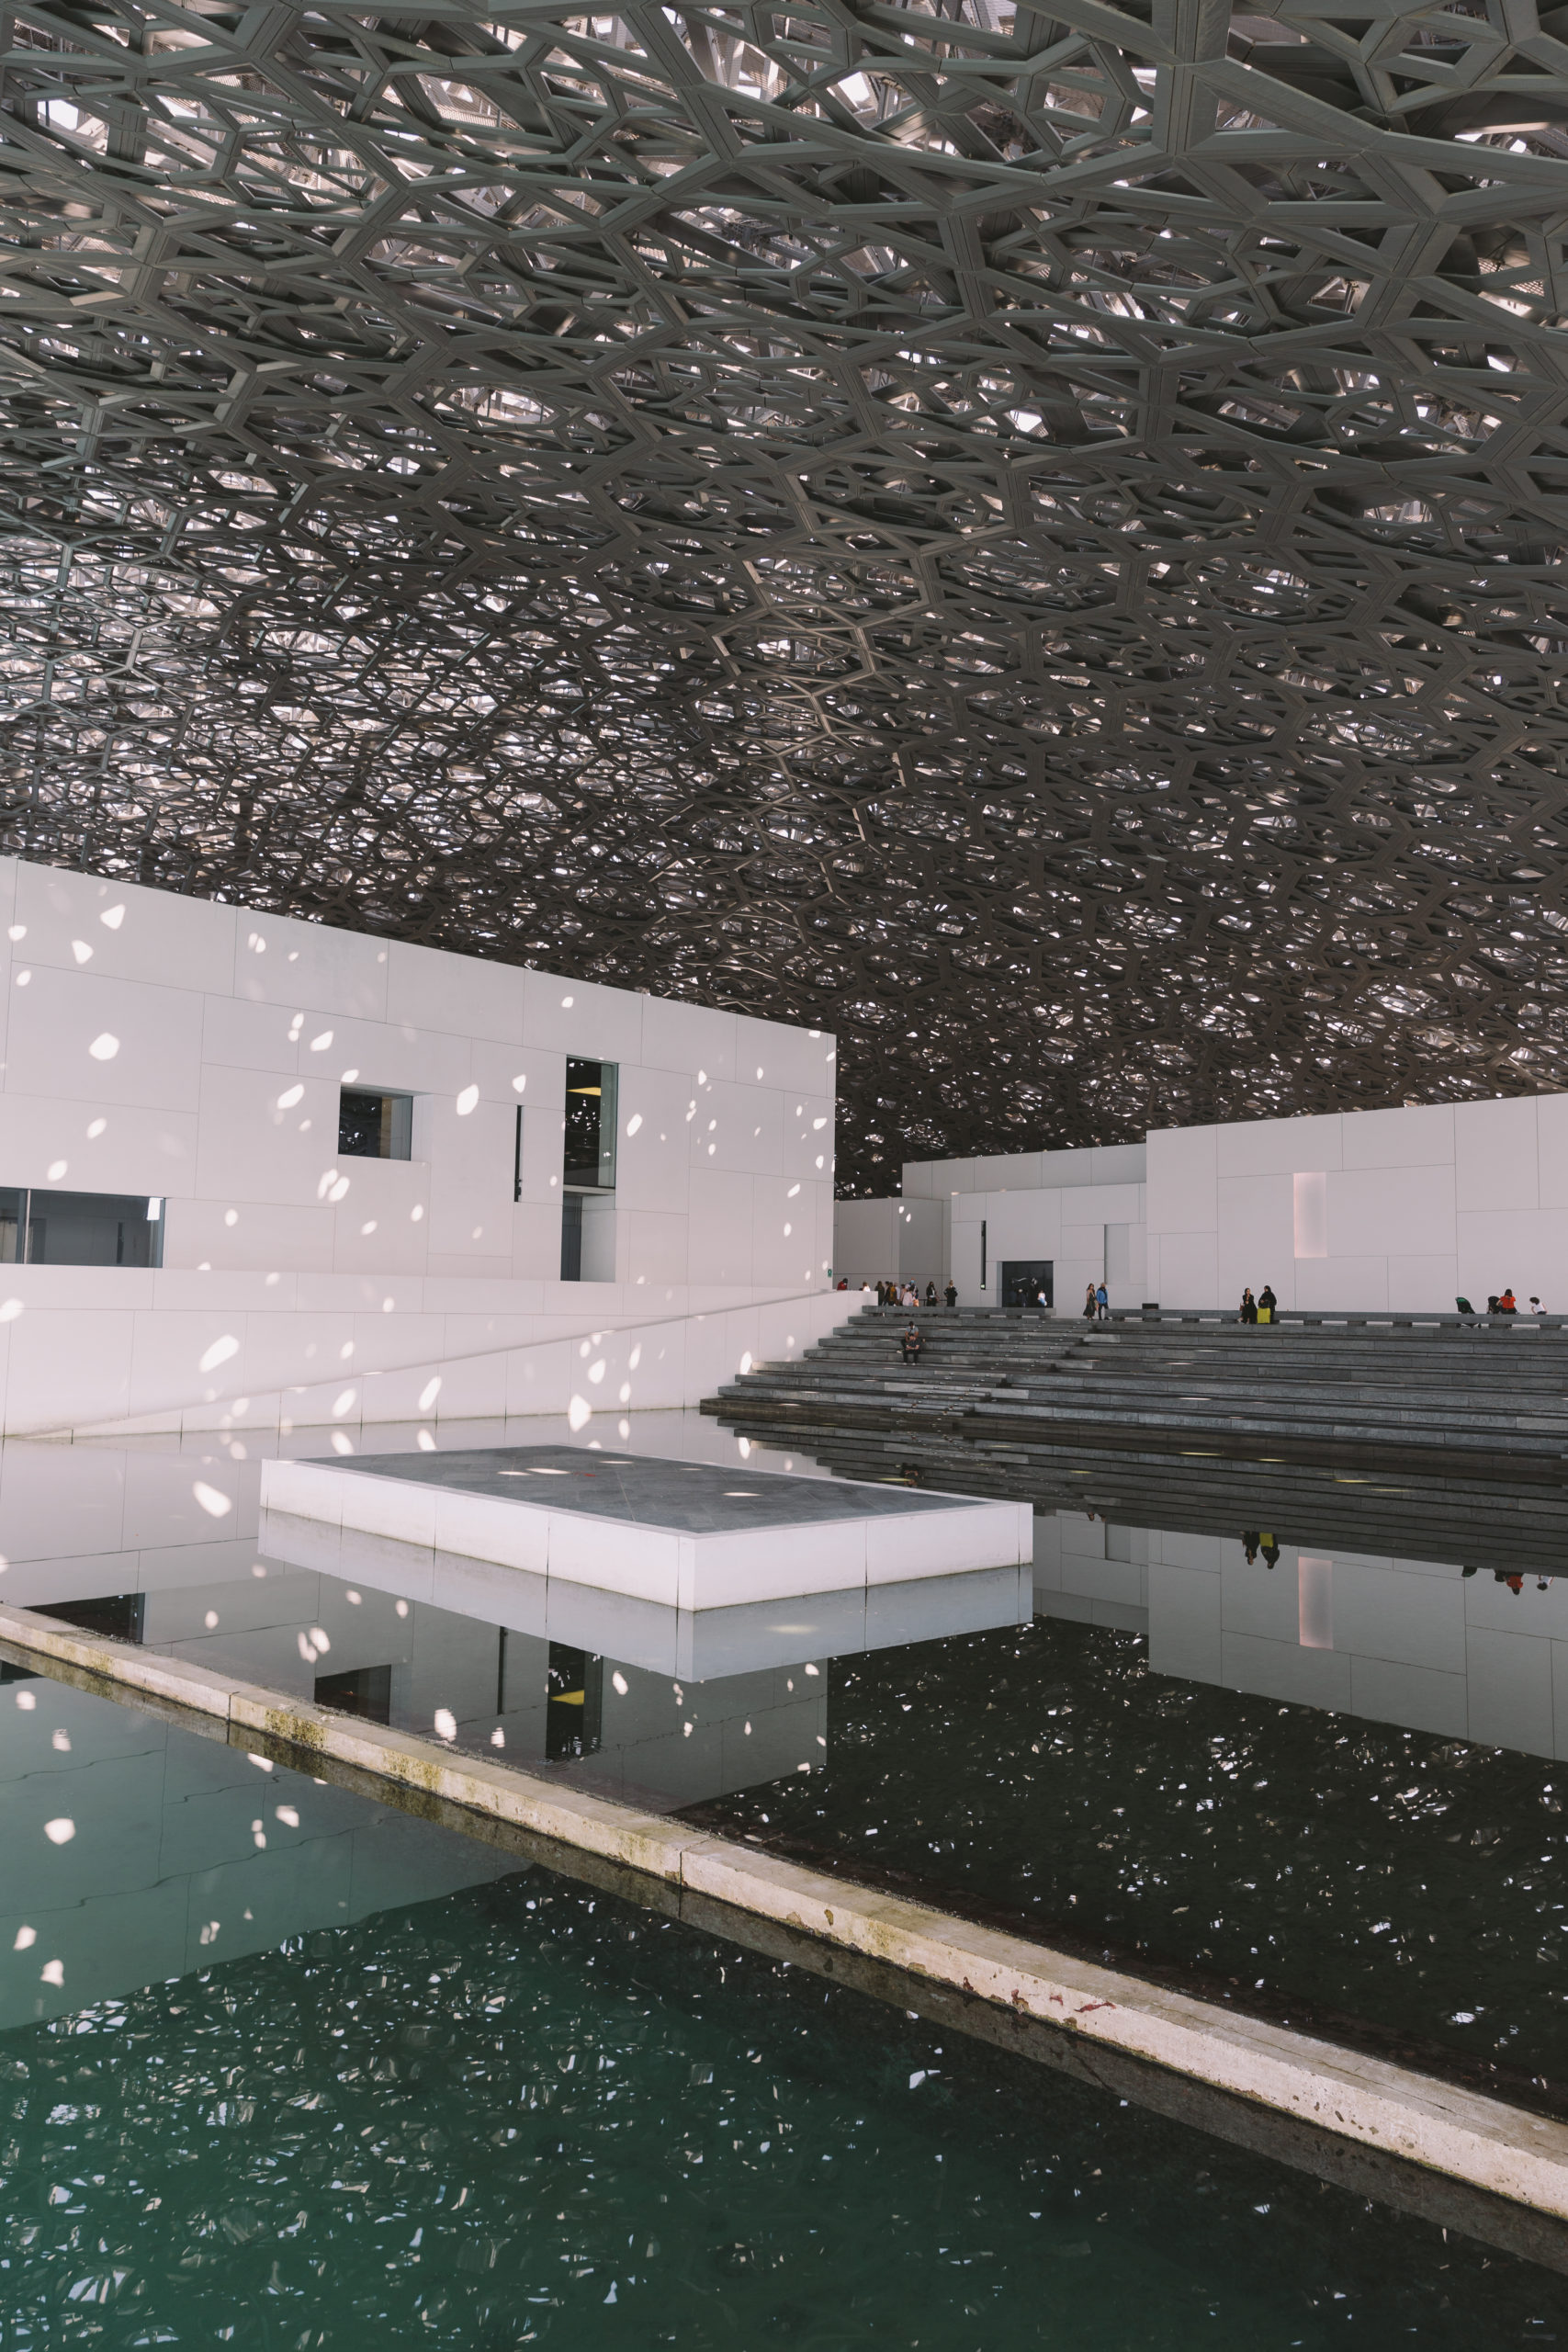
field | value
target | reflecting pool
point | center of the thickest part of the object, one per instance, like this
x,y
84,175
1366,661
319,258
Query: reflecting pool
x,y
367,2082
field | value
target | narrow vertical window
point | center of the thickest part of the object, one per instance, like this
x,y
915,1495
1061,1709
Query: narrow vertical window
x,y
1311,1215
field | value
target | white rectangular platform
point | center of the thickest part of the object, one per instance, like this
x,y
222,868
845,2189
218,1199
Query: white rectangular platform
x,y
685,1535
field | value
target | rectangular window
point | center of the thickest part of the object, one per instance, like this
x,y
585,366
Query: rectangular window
x,y
375,1127
51,1229
590,1156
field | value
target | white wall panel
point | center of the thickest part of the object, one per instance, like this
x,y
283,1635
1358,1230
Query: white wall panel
x,y
81,1149
1256,1238
466,995
126,933
580,1018
1407,1210
1182,1180
688,1038
1278,1147
148,1039
309,966
1419,1136
1495,1155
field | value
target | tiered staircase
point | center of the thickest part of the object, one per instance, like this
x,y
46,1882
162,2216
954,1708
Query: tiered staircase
x,y
1014,1391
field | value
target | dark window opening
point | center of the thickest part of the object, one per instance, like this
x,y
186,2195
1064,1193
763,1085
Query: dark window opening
x,y
51,1229
574,1704
375,1127
363,1690
115,1616
1027,1282
571,1238
590,1158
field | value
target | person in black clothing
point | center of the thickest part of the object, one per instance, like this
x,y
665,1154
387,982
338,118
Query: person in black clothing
x,y
930,1294
950,1294
1266,1298
912,1344
1248,1308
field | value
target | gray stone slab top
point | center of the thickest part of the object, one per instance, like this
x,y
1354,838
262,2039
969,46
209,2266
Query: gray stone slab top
x,y
691,1498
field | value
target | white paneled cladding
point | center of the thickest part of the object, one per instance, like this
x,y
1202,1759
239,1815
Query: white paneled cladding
x,y
1366,1211
161,1044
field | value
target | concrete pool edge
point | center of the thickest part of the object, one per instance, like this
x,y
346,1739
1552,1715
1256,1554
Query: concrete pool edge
x,y
1107,2016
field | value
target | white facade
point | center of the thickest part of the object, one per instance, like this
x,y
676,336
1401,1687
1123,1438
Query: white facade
x,y
1361,1210
196,1053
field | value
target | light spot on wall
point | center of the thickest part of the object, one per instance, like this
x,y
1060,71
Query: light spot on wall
x,y
624,1396
211,1620
230,1216
22,978
343,1404
10,1309
519,1085
429,1393
746,1361
220,1352
786,1232
344,1352
425,1442
596,1372
319,1045
402,1606
579,1413
53,1973
341,1441
567,1003
18,930
349,1076
79,949
61,1743
792,1192
57,1169
26,1939
112,917
215,1504
287,1816
256,944
416,1212
289,1096
446,1724
339,1191
104,1046
819,1123
467,1101
623,1429
633,1123
634,1358
60,1831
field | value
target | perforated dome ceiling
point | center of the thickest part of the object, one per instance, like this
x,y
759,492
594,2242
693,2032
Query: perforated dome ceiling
x,y
1033,540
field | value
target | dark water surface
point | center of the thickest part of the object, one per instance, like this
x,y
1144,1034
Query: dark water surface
x,y
1410,1881
516,2111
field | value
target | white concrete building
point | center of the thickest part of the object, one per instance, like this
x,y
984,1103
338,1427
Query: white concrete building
x,y
318,1176
1406,1208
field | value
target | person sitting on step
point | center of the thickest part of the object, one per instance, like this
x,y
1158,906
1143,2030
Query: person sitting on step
x,y
911,1344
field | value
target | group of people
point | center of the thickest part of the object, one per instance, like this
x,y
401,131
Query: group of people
x,y
897,1293
1503,1303
1097,1304
1261,1308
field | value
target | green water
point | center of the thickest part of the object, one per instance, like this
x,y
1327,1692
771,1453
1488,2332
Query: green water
x,y
1387,1875
524,2114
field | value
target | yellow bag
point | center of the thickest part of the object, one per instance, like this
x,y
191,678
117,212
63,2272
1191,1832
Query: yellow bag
x,y
1266,1315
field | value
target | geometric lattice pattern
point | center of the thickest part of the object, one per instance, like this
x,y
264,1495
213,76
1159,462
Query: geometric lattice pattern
x,y
1033,540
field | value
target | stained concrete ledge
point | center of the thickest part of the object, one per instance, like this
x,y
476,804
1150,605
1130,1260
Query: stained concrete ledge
x,y
1107,2016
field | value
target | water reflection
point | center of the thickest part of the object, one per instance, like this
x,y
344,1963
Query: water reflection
x,y
130,1853
1475,1653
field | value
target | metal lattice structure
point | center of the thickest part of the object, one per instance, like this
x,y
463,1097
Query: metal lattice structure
x,y
1033,540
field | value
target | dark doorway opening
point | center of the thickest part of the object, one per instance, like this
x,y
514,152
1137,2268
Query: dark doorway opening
x,y
574,1708
1023,1279
363,1690
116,1616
